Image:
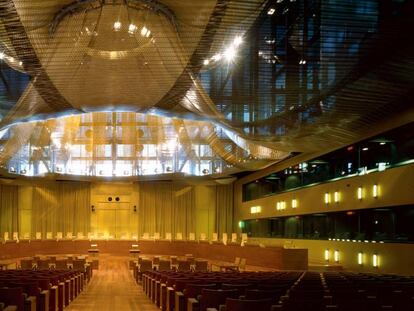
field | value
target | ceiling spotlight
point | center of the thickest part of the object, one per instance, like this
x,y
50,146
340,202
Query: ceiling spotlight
x,y
20,63
238,40
365,149
1,55
132,29
230,53
117,26
144,31
382,143
148,33
271,11
217,57
206,62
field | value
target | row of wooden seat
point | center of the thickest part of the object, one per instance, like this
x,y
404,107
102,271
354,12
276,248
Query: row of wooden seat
x,y
290,291
44,290
168,263
181,290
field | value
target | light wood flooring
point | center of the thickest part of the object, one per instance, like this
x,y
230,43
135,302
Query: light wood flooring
x,y
112,288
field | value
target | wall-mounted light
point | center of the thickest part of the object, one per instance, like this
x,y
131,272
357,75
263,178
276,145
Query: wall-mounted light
x,y
294,203
359,193
375,260
255,209
360,258
336,256
375,191
241,224
278,207
283,205
336,196
327,198
326,255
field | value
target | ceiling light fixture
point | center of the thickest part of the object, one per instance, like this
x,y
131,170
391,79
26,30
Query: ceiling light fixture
x,y
132,29
271,11
117,26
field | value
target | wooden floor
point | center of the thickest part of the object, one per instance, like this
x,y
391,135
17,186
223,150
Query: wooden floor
x,y
112,288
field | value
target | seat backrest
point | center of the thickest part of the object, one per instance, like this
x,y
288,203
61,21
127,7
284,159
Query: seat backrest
x,y
26,264
164,265
191,236
59,235
157,236
15,236
248,305
49,235
203,236
215,237
43,264
201,265
38,235
194,290
179,236
244,237
26,236
145,236
80,236
237,261
69,235
6,236
255,294
213,298
183,265
234,237
61,264
145,265
79,264
240,287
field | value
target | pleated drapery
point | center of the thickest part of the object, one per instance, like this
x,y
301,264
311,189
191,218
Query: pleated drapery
x,y
9,216
166,207
224,209
61,207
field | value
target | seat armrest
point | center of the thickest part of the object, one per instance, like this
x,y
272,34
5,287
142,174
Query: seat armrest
x,y
211,309
10,308
30,303
44,300
192,304
179,301
276,307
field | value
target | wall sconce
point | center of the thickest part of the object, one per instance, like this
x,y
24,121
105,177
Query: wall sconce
x,y
359,193
327,198
326,255
93,208
375,260
255,209
360,258
278,206
294,203
283,205
135,208
336,256
336,196
375,191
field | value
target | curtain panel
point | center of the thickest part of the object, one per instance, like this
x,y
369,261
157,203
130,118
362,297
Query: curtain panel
x,y
61,207
9,216
166,207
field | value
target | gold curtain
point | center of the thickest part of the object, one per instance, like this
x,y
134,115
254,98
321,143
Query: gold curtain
x,y
61,207
224,209
166,207
9,209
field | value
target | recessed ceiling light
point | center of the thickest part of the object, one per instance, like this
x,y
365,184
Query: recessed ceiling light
x,y
206,62
132,28
117,26
365,149
271,11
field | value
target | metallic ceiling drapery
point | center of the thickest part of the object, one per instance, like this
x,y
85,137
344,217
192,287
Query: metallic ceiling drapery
x,y
310,75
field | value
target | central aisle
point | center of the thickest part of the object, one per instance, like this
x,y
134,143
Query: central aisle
x,y
112,288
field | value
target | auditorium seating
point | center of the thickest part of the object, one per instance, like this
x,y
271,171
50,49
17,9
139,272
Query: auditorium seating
x,y
44,290
287,291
